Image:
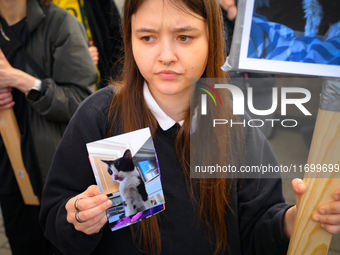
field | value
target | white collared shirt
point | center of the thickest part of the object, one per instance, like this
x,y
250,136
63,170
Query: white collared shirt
x,y
164,121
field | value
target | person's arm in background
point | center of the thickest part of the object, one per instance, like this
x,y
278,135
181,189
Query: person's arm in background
x,y
73,73
71,78
12,78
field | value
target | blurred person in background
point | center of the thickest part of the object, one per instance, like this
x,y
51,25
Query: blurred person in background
x,y
76,8
229,12
101,20
46,70
104,21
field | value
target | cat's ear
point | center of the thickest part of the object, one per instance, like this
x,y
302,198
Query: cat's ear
x,y
107,162
127,154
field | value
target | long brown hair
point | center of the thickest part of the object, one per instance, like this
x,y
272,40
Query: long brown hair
x,y
211,196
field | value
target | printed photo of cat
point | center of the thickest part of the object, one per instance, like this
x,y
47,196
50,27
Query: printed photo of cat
x,y
131,185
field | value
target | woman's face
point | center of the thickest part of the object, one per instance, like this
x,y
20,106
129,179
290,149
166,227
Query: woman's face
x,y
169,47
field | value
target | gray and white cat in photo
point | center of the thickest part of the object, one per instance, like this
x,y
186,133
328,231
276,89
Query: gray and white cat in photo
x,y
131,185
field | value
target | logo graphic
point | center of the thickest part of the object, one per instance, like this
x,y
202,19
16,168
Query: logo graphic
x,y
204,97
239,102
238,99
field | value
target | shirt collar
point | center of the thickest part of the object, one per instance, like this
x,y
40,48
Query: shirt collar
x,y
164,121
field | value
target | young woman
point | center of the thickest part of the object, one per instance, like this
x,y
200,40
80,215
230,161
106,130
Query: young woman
x,y
167,42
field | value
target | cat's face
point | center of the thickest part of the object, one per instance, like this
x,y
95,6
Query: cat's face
x,y
120,168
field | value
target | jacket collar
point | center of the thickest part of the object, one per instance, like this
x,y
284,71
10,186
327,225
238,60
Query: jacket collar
x,y
35,15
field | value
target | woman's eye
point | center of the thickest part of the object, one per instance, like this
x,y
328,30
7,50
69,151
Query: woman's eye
x,y
147,38
184,38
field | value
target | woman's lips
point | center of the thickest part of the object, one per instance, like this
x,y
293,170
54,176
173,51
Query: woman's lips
x,y
168,74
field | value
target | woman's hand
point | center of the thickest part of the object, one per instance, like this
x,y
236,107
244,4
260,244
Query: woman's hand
x,y
6,98
94,54
13,78
92,207
328,214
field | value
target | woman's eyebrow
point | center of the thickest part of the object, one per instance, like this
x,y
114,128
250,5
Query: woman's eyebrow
x,y
178,29
184,29
146,30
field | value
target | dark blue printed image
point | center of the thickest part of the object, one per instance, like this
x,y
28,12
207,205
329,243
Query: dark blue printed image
x,y
313,38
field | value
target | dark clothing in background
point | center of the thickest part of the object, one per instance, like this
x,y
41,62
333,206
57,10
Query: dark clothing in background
x,y
21,243
58,44
20,109
21,31
105,25
228,28
254,225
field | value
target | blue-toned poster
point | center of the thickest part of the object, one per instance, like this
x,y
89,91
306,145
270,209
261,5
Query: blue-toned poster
x,y
297,37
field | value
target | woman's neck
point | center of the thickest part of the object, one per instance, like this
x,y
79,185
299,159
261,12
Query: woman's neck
x,y
176,108
13,10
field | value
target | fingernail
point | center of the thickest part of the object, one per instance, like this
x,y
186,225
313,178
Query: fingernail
x,y
336,197
104,198
299,187
323,211
109,202
316,219
323,225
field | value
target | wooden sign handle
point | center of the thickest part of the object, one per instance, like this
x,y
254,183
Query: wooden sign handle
x,y
308,237
11,136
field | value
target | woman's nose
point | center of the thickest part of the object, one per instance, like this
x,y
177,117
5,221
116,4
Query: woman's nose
x,y
167,54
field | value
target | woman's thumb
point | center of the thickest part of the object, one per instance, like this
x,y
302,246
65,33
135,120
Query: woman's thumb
x,y
299,188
